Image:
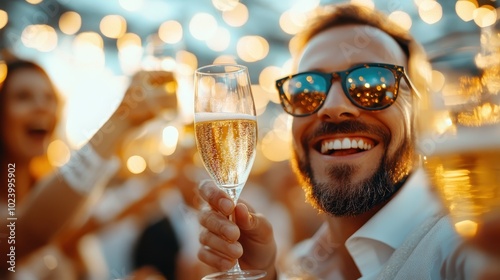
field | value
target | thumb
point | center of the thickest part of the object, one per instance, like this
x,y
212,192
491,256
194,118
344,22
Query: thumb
x,y
254,226
256,238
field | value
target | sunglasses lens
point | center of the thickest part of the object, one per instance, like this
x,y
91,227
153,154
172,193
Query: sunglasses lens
x,y
304,93
372,87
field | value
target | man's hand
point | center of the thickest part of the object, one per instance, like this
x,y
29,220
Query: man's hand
x,y
250,240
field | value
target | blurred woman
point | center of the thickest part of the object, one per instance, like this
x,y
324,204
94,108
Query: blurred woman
x,y
28,117
43,206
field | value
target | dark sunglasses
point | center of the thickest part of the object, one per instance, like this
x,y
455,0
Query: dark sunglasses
x,y
369,86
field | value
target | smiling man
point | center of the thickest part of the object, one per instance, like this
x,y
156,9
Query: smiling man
x,y
345,180
352,99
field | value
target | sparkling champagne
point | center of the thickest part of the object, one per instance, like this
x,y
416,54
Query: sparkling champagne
x,y
227,143
465,170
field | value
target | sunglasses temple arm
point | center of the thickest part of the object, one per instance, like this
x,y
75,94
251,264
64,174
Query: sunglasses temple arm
x,y
412,86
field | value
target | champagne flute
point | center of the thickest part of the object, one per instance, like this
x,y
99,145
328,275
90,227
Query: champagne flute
x,y
459,138
160,57
226,135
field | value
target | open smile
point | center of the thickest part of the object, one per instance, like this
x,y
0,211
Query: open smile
x,y
38,131
345,145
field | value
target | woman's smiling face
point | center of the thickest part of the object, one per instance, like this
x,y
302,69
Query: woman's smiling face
x,y
30,113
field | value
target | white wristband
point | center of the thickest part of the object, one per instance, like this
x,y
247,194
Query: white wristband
x,y
86,169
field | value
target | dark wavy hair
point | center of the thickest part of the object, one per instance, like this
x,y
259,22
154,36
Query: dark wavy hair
x,y
333,15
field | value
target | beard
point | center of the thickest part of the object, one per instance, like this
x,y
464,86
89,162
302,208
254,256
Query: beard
x,y
343,196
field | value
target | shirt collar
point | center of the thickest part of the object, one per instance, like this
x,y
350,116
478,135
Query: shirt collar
x,y
390,226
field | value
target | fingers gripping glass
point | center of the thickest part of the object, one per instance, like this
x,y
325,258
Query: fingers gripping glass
x,y
370,86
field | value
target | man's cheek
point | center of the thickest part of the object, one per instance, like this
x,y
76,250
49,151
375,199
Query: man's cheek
x,y
298,147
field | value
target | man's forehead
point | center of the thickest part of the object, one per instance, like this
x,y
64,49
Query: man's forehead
x,y
351,44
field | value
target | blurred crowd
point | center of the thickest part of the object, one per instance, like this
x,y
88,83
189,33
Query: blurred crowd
x,y
94,219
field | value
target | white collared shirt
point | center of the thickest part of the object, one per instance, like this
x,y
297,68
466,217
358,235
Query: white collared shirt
x,y
374,243
377,240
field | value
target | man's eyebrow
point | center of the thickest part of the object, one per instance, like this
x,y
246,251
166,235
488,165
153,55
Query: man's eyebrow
x,y
340,70
312,70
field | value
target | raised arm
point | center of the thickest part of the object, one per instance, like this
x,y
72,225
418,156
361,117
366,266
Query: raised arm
x,y
60,196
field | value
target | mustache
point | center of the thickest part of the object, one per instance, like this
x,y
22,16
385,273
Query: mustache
x,y
347,127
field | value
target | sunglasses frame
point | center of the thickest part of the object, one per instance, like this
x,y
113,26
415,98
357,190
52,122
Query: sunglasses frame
x,y
398,72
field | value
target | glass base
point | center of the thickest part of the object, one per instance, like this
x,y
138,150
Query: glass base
x,y
241,275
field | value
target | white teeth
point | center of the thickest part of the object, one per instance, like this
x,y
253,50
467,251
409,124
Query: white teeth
x,y
354,144
345,144
337,145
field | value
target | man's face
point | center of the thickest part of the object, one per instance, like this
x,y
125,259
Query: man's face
x,y
349,182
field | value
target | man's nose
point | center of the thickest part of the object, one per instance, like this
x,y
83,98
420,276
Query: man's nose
x,y
337,105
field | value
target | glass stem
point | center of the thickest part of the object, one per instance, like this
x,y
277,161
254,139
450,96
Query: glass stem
x,y
236,268
234,193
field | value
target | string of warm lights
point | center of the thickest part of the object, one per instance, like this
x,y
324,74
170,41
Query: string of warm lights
x,y
83,52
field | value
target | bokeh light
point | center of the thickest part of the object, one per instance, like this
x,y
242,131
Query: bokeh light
x,y
292,22
170,137
220,40
4,18
58,153
465,9
224,31
3,71
41,37
485,15
225,5
252,48
136,164
170,32
236,17
70,22
203,26
113,26
430,11
401,18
